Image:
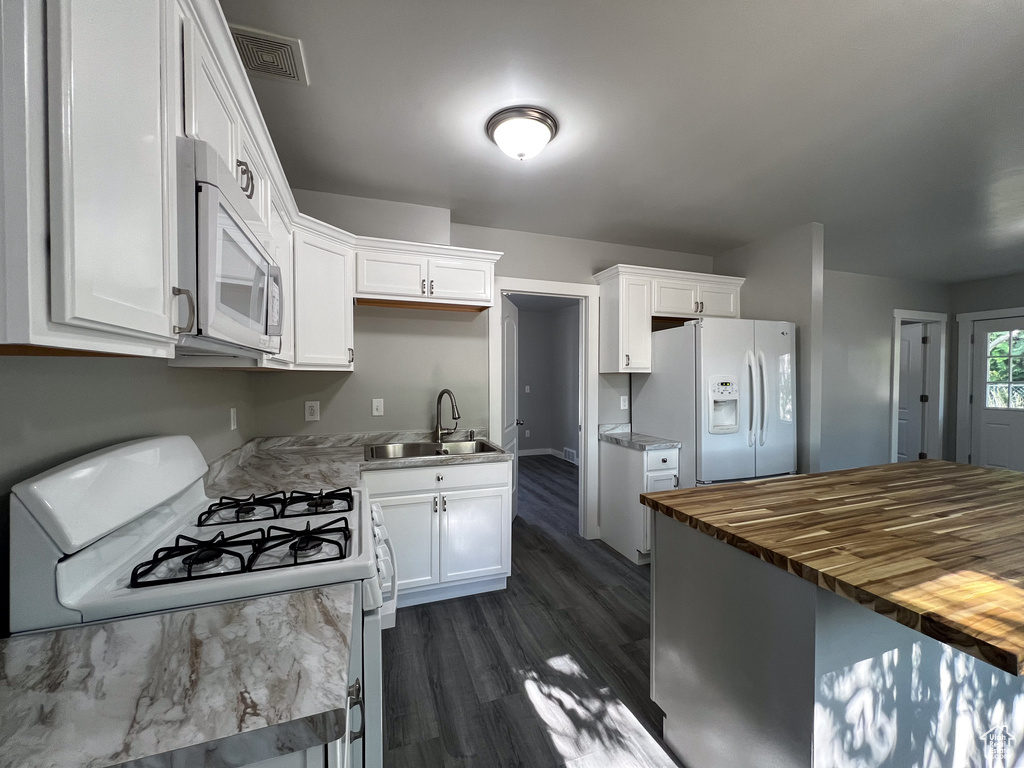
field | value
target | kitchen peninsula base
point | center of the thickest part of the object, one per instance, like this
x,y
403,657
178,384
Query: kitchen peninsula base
x,y
756,667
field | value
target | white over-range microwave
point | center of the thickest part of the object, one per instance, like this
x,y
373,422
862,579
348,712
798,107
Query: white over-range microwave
x,y
233,287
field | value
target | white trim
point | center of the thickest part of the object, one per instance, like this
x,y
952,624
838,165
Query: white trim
x,y
589,523
964,365
543,452
936,411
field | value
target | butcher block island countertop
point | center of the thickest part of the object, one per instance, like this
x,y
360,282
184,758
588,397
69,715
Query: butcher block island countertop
x,y
936,546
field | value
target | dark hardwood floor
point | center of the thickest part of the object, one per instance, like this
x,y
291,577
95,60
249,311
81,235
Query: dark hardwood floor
x,y
552,671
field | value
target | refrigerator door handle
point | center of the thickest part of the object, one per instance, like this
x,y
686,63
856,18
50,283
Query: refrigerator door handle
x,y
762,365
751,370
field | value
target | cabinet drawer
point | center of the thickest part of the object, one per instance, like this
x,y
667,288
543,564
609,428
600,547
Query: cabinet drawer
x,y
438,478
662,459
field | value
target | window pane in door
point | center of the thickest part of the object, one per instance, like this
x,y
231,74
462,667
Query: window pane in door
x,y
1017,396
999,369
999,343
1017,343
998,396
1017,369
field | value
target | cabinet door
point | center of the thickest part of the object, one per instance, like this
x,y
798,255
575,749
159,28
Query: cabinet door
x,y
675,297
391,274
112,226
251,172
323,303
476,534
720,300
654,481
210,112
461,280
635,325
412,523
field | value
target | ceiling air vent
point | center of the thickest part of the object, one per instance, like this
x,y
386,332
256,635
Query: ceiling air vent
x,y
268,55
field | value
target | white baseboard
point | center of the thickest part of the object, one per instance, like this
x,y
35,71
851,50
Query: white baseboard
x,y
544,452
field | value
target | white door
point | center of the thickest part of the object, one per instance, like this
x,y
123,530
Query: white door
x,y
635,325
775,353
997,407
510,390
323,303
111,166
912,386
475,537
210,111
413,528
727,389
391,274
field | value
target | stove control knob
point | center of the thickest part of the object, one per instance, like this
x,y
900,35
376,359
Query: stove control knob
x,y
380,531
385,569
372,596
376,514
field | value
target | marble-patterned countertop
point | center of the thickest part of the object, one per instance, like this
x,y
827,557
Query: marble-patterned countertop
x,y
317,462
260,678
621,435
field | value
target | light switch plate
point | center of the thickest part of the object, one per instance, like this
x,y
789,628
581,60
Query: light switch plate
x,y
624,402
312,410
234,418
527,389
378,407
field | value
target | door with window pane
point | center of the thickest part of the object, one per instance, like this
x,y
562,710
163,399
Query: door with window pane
x,y
997,410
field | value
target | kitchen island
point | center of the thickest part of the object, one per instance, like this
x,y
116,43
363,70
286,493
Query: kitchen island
x,y
867,617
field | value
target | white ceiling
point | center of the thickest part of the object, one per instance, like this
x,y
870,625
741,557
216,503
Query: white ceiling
x,y
690,125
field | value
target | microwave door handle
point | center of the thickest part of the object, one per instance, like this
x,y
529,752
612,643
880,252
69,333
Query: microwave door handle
x,y
275,329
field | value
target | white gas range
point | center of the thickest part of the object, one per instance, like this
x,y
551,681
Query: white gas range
x,y
129,530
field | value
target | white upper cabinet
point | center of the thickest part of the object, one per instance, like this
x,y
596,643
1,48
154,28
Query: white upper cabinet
x,y
323,302
113,231
210,110
631,296
424,273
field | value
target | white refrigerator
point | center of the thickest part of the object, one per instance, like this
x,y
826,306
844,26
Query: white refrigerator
x,y
726,390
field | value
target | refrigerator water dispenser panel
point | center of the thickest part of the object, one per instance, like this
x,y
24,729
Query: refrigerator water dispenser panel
x,y
724,413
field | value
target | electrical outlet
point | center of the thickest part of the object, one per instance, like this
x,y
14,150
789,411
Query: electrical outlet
x,y
527,389
312,410
527,433
624,403
234,418
378,407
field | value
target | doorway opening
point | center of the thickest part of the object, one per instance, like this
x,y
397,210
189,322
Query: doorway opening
x,y
543,380
918,385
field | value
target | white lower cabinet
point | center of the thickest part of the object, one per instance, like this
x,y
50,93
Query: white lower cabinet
x,y
451,527
625,473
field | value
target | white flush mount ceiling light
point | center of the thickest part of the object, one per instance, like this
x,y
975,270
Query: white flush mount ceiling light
x,y
522,132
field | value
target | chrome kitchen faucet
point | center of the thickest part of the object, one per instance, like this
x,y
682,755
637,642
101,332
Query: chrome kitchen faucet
x,y
439,433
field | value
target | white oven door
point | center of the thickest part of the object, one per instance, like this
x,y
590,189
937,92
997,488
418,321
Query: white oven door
x,y
239,286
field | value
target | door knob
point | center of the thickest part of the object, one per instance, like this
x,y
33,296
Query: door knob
x,y
519,422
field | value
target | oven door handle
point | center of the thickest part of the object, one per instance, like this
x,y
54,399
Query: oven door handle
x,y
391,604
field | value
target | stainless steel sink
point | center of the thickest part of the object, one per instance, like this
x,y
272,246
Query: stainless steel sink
x,y
409,450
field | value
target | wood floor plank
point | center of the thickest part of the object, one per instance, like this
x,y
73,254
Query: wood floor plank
x,y
554,669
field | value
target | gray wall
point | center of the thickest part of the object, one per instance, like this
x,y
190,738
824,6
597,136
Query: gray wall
x,y
405,356
567,259
377,218
784,282
549,364
857,362
995,293
611,387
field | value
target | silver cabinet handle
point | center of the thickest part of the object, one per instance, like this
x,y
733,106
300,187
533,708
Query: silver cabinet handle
x,y
675,481
187,328
444,503
702,307
627,361
440,478
519,422
664,461
435,505
423,286
696,306
431,287
351,355
248,180
355,699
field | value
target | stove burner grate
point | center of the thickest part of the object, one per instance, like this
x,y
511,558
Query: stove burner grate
x,y
198,558
228,509
301,545
301,503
